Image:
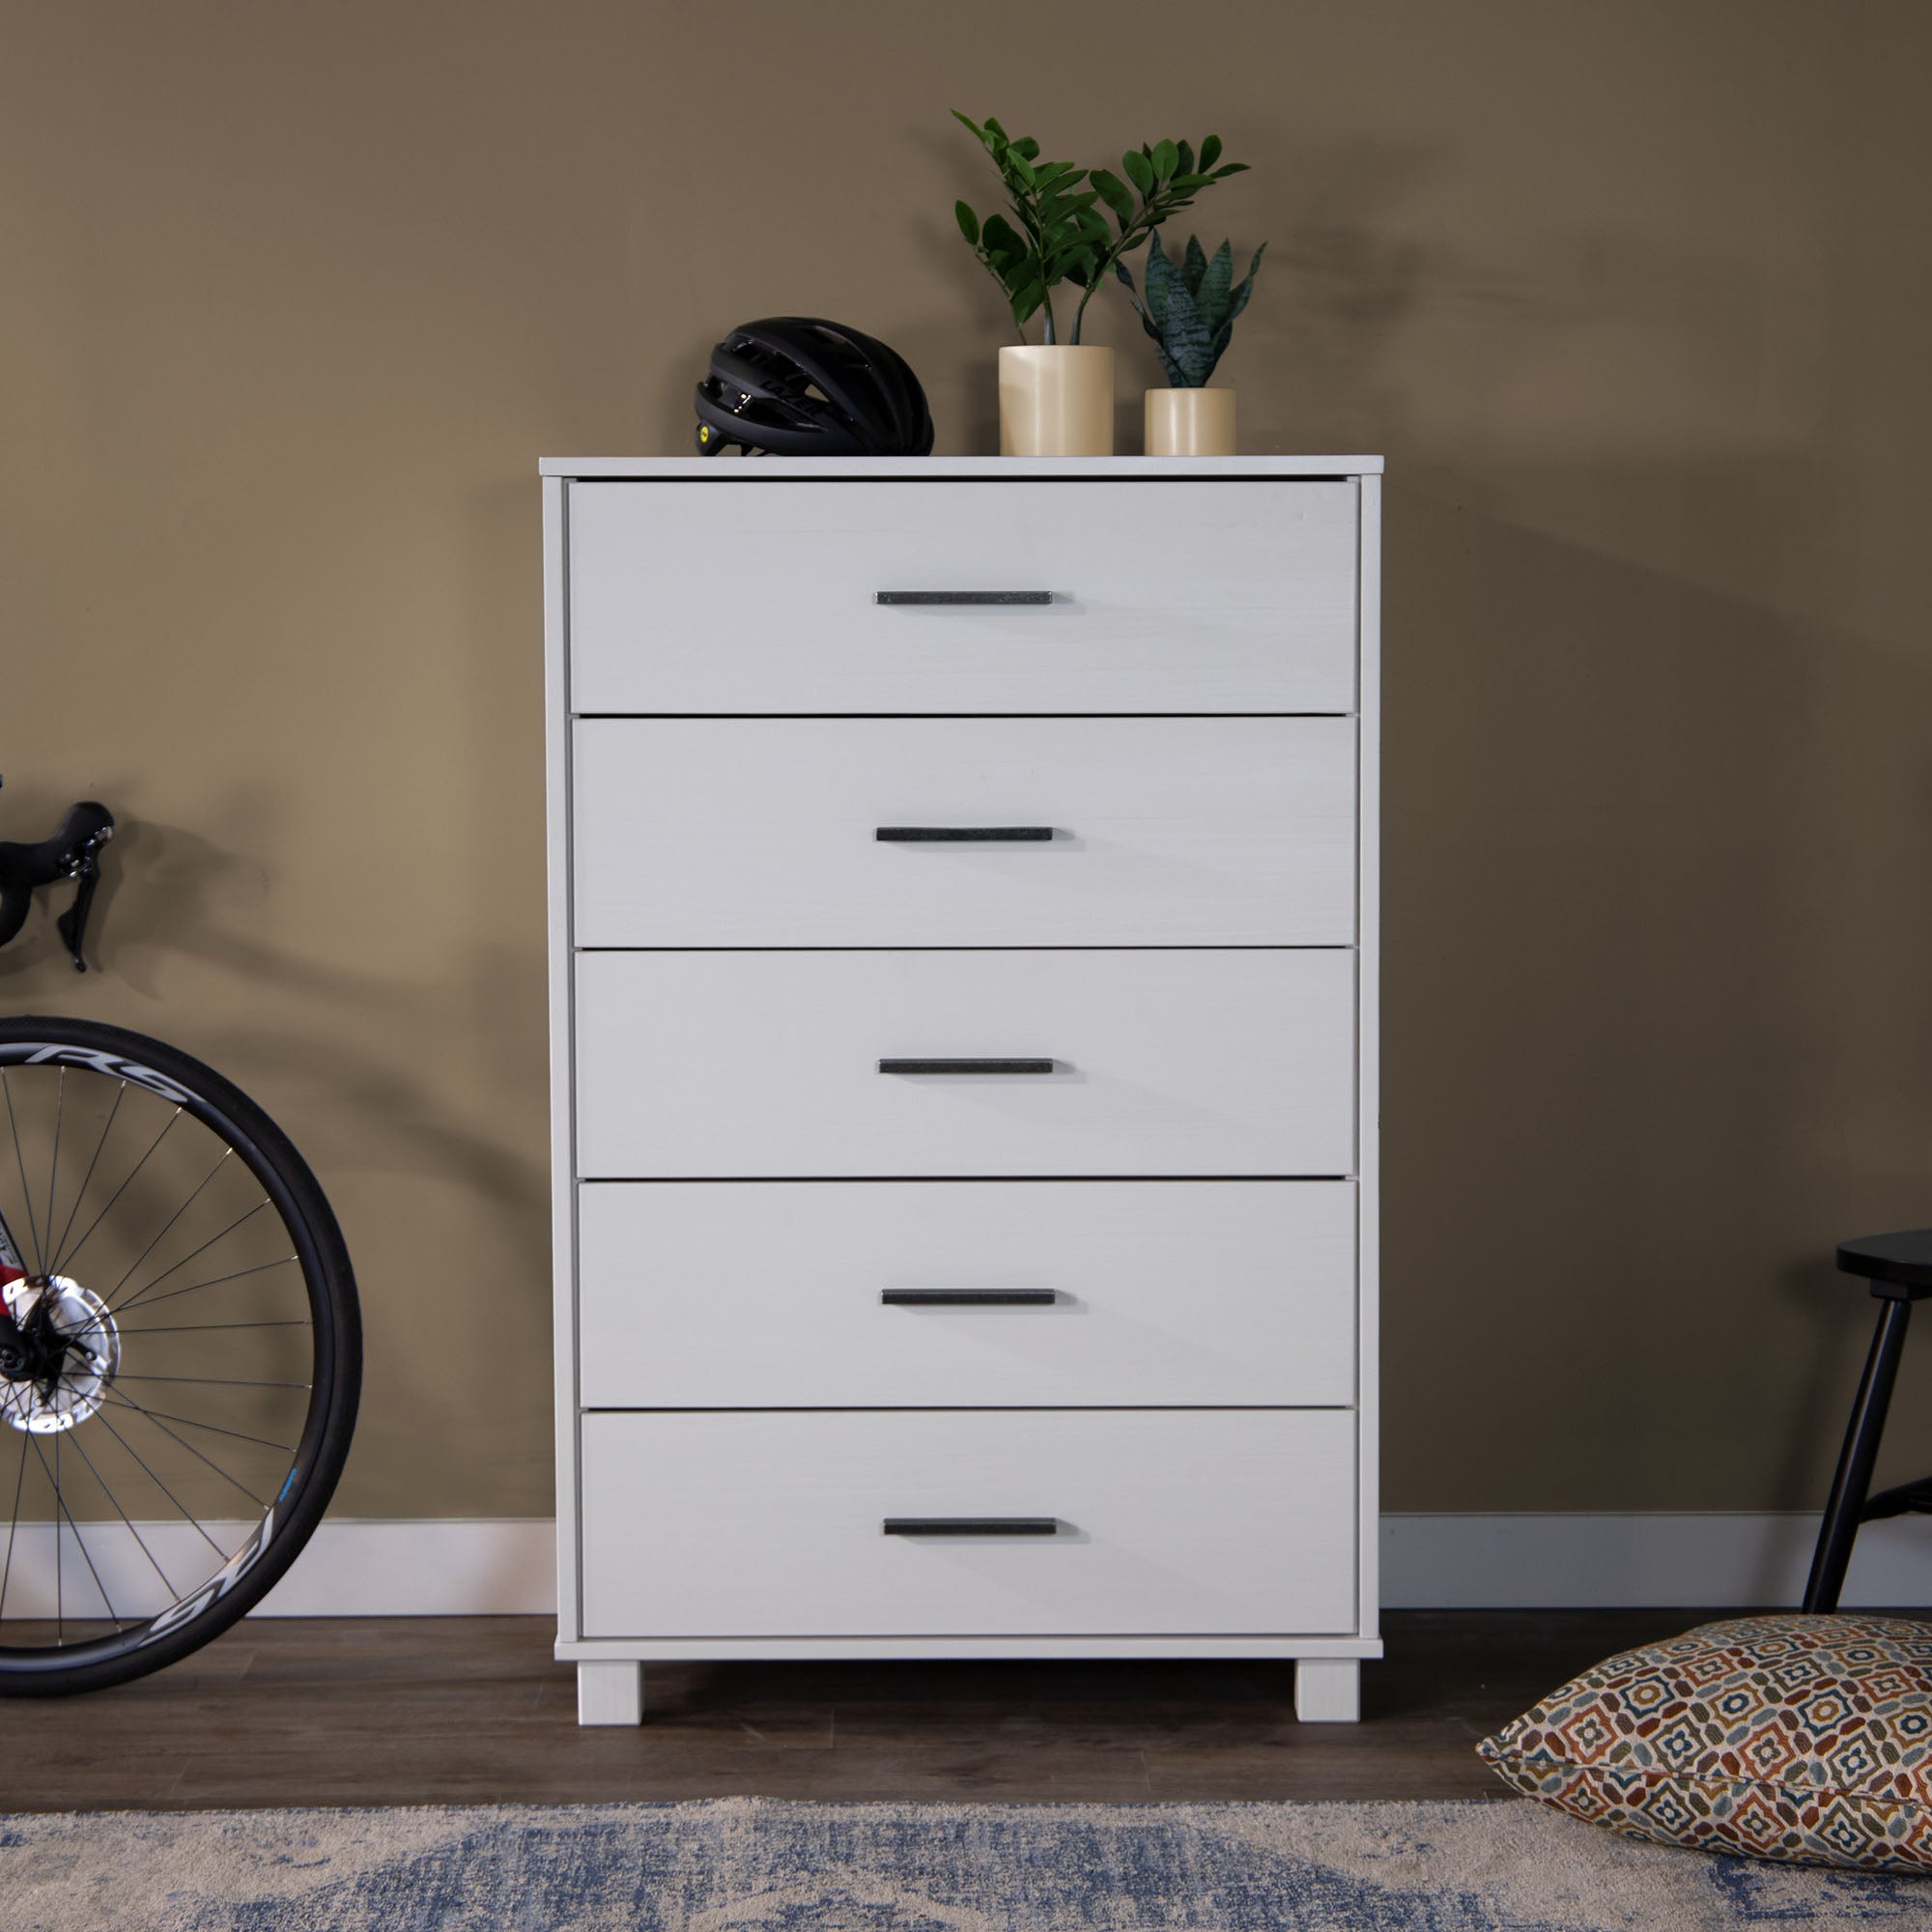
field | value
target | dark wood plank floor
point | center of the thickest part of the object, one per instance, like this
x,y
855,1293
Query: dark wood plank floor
x,y
472,1709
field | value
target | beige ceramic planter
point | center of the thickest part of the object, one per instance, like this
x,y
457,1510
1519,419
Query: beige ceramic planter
x,y
1191,422
1056,400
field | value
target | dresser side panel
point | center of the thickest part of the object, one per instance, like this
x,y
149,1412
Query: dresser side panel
x,y
562,1104
1367,1023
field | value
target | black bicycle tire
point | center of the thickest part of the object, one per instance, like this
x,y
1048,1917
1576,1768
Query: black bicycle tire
x,y
330,1426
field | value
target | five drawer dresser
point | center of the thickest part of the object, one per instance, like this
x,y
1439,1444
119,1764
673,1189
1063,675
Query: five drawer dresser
x,y
963,939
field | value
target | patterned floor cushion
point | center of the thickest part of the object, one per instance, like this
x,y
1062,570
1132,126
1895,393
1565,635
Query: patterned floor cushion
x,y
1807,1739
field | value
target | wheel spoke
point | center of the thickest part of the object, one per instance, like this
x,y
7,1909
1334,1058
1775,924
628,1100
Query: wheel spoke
x,y
20,1162
152,1301
174,1595
213,1327
220,1164
62,1510
100,1148
141,1294
209,1381
187,1421
193,1520
53,1166
60,1618
14,1530
167,1127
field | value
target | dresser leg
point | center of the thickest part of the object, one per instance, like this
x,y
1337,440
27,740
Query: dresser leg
x,y
1329,1691
610,1694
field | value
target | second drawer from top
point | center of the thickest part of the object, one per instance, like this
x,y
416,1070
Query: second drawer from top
x,y
964,832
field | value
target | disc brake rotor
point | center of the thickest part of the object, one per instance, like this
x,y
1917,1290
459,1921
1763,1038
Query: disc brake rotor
x,y
67,1389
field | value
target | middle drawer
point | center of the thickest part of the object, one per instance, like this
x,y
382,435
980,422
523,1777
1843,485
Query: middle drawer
x,y
1137,832
966,1294
1113,1062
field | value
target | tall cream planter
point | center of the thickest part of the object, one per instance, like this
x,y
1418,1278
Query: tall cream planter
x,y
1056,400
1191,422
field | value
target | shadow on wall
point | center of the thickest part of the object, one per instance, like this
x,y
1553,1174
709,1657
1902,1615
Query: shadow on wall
x,y
1657,1029
186,882
1335,285
419,1154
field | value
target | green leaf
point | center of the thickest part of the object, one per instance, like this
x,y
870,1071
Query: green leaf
x,y
1139,171
1187,183
1057,206
969,223
1113,190
1018,165
1160,280
1026,147
1194,265
1004,246
1166,158
994,128
1187,154
1211,151
1211,285
1238,300
1025,301
1184,338
1231,168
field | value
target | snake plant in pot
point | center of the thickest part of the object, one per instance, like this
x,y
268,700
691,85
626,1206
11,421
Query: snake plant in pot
x,y
1190,308
1056,396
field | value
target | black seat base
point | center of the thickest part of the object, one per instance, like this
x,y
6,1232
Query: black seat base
x,y
1899,1270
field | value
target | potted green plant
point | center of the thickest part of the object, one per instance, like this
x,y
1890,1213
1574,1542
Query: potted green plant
x,y
1189,310
1057,397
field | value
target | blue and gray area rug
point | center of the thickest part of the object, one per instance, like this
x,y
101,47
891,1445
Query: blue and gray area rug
x,y
758,1866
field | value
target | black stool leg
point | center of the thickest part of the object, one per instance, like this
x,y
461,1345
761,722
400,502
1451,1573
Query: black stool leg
x,y
1853,1481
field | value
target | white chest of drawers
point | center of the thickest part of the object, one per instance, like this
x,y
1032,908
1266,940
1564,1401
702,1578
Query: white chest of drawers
x,y
963,957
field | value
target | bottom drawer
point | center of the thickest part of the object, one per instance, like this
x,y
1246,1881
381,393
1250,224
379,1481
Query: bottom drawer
x,y
1173,1522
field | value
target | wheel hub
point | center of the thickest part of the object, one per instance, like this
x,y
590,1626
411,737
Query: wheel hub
x,y
60,1361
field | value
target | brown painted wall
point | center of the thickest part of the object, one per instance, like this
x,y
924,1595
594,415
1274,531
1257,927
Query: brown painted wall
x,y
1635,297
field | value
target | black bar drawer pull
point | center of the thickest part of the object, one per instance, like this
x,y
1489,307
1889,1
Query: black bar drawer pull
x,y
968,1298
966,1066
961,835
972,1526
962,597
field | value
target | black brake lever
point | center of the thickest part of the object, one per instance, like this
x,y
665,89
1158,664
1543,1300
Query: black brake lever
x,y
85,871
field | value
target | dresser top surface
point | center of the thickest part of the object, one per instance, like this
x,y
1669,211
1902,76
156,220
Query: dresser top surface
x,y
854,469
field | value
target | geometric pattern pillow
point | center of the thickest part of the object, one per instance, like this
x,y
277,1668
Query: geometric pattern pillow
x,y
1807,1739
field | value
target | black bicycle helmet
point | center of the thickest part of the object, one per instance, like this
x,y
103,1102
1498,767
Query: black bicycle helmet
x,y
795,386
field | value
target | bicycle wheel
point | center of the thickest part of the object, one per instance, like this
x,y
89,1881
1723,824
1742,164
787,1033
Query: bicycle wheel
x,y
180,1371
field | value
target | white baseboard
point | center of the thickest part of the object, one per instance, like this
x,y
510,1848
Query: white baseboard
x,y
454,1567
1693,1559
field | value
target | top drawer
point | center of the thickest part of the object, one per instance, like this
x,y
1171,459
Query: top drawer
x,y
744,598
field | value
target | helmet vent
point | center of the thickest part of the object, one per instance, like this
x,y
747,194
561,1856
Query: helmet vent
x,y
800,385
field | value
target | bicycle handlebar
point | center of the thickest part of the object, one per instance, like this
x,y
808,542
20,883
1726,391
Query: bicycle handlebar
x,y
72,853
